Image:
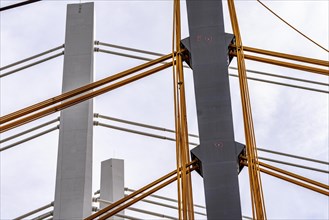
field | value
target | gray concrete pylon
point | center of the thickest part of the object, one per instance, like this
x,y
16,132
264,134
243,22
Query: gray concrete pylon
x,y
217,151
112,183
73,190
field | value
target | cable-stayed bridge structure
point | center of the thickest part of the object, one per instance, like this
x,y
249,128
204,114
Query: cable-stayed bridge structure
x,y
215,153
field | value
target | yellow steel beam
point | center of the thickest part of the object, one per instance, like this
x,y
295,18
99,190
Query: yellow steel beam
x,y
295,175
120,208
257,197
182,149
294,181
291,180
137,192
285,56
285,64
79,99
177,121
79,90
130,196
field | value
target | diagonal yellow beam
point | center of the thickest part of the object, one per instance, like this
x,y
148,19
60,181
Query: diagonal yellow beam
x,y
285,56
142,193
294,178
73,101
79,90
285,64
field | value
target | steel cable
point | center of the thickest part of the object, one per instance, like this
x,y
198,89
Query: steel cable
x,y
292,26
29,138
283,77
18,4
31,58
97,115
141,210
249,71
32,64
138,132
29,130
283,84
35,211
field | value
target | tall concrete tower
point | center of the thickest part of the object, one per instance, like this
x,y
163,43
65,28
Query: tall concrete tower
x,y
74,167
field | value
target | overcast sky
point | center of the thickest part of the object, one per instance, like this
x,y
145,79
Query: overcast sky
x,y
286,119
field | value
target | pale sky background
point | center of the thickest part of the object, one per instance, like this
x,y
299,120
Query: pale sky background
x,y
286,119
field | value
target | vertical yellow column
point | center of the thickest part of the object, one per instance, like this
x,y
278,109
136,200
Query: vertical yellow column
x,y
257,197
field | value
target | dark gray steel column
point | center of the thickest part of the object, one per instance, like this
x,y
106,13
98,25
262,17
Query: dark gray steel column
x,y
74,164
217,150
